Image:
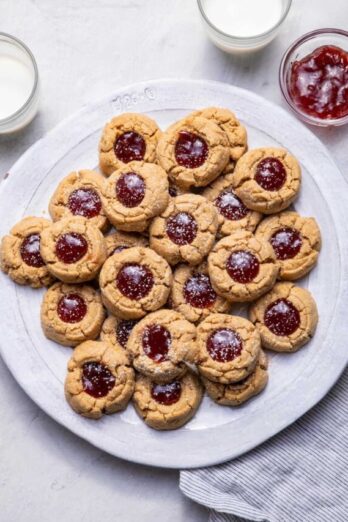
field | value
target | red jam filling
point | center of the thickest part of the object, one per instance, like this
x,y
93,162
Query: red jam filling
x,y
282,318
97,380
230,206
130,146
166,394
270,174
156,342
286,243
71,247
181,228
242,266
130,189
191,150
318,83
123,331
30,251
85,202
71,308
134,281
224,345
198,291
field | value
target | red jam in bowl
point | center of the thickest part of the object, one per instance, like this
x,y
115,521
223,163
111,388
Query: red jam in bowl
x,y
318,83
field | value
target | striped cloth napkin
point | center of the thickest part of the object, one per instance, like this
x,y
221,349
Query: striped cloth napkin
x,y
300,475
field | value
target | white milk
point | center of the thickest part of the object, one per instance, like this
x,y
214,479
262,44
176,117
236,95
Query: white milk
x,y
16,84
243,17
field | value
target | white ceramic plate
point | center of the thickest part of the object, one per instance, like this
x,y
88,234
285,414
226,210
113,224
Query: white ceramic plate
x,y
297,381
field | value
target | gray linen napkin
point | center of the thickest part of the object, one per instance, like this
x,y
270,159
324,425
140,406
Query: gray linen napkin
x,y
300,475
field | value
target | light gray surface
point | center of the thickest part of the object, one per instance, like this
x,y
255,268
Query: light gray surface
x,y
85,49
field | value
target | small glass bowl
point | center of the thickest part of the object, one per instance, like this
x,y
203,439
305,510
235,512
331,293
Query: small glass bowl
x,y
14,48
236,44
298,50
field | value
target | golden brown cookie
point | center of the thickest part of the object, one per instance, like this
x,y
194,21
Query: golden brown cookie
x,y
267,180
79,194
116,331
128,137
232,213
229,347
118,241
99,380
295,240
167,406
242,267
73,249
286,317
71,314
134,194
193,151
193,295
231,126
161,344
186,230
240,392
20,256
134,282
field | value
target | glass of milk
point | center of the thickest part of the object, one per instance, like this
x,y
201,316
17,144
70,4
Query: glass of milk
x,y
19,84
243,25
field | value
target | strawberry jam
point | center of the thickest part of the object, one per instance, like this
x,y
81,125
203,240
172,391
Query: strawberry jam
x,y
181,228
230,206
191,150
224,345
130,189
166,394
156,342
282,317
85,202
242,266
71,308
198,291
130,146
318,83
123,331
30,251
270,174
71,247
286,243
134,281
97,380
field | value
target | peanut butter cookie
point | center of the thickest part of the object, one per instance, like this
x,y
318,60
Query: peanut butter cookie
x,y
267,180
116,331
161,344
240,392
128,137
71,314
193,295
118,241
230,125
134,194
20,256
134,282
73,249
186,230
242,267
233,215
229,347
193,151
79,194
296,242
167,406
286,317
99,380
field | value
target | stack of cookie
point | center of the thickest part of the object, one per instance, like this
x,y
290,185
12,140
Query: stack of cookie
x,y
199,225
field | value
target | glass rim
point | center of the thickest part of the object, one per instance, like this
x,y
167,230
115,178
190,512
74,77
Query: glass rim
x,y
244,38
16,41
283,69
